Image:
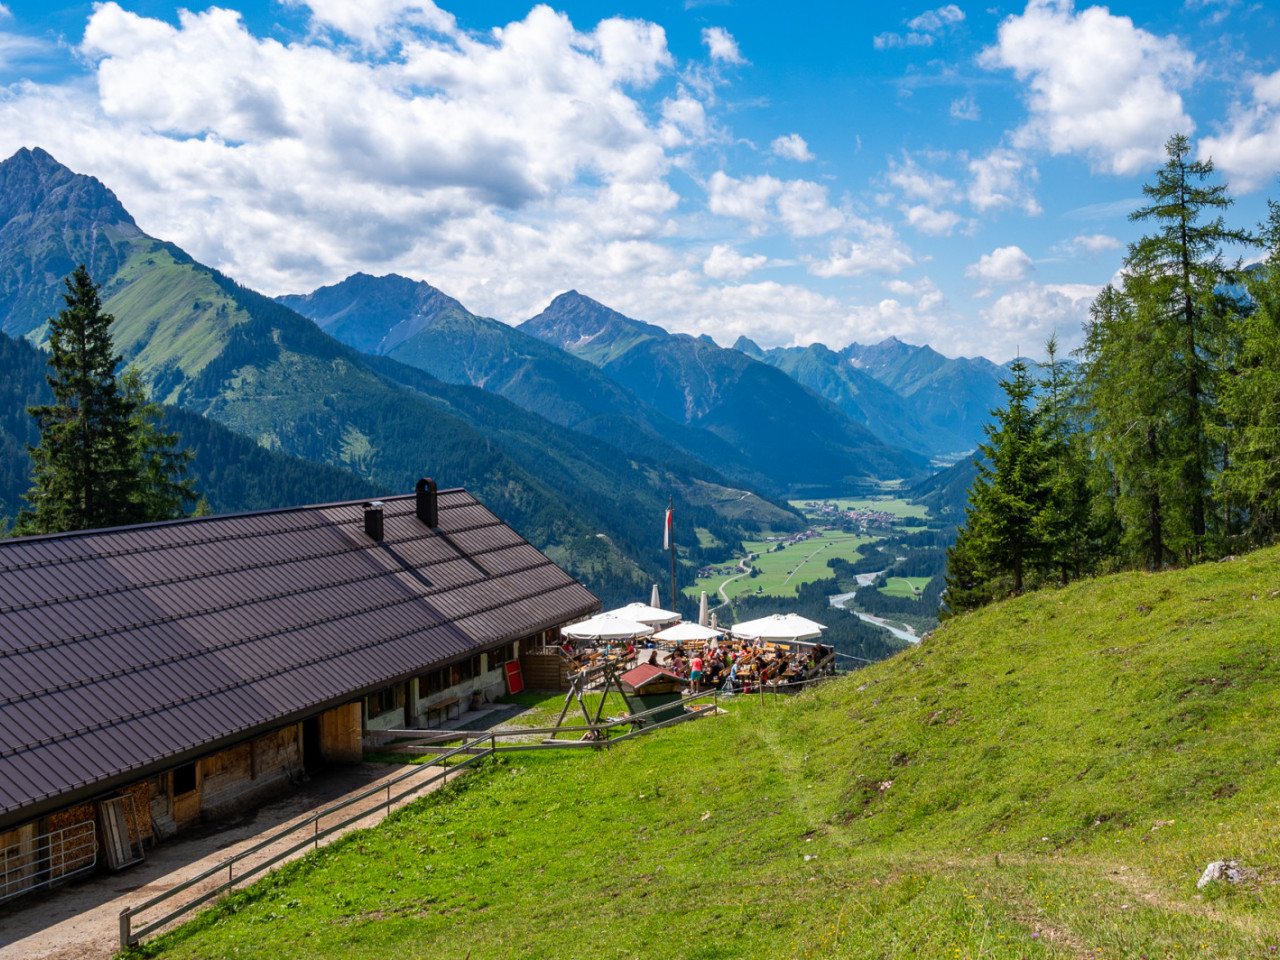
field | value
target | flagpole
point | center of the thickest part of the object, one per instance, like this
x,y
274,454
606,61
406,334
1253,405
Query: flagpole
x,y
672,523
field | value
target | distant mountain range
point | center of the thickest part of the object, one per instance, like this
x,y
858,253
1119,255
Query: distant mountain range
x,y
214,348
584,365
910,396
580,364
414,323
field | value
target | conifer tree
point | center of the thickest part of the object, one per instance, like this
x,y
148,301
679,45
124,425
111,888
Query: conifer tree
x,y
164,490
101,462
1250,481
1127,386
1175,279
1005,533
1068,534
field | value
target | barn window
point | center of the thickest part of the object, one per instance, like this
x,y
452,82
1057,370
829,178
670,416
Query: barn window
x,y
184,779
385,700
433,682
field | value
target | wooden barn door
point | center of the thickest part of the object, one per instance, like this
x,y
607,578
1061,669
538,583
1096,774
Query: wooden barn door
x,y
115,833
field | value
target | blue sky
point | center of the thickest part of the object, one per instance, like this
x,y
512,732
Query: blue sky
x,y
950,174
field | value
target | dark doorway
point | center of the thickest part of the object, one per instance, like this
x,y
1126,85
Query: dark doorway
x,y
311,756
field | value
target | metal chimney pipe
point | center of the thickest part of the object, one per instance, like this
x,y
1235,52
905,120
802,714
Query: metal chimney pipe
x,y
373,520
428,506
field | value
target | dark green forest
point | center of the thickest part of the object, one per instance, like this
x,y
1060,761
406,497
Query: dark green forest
x,y
1159,446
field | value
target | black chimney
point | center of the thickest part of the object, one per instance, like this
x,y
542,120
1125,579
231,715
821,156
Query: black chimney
x,y
373,520
428,507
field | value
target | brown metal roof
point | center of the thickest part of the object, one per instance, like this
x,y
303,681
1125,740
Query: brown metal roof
x,y
645,673
127,651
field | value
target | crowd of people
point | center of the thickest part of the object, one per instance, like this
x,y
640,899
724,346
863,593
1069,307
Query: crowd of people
x,y
727,665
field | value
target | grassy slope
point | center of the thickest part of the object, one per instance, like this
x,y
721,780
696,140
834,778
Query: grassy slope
x,y
1045,778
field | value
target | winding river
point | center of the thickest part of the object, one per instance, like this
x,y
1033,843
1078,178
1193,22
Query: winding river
x,y
865,580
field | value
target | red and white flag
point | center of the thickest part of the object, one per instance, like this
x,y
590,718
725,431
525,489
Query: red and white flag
x,y
666,532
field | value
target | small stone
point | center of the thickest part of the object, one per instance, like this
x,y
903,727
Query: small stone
x,y
1228,870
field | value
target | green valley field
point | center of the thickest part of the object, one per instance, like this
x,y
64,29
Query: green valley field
x,y
1045,778
781,571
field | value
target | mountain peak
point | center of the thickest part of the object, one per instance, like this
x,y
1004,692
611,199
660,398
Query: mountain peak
x,y
375,314
78,221
572,321
748,346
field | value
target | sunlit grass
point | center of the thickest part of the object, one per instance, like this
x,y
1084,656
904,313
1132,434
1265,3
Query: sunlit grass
x,y
1046,778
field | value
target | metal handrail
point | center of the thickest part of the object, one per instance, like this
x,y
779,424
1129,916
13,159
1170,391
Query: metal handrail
x,y
474,752
129,937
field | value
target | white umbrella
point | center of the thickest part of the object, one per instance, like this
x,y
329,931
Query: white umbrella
x,y
606,627
654,599
779,626
702,609
643,613
683,632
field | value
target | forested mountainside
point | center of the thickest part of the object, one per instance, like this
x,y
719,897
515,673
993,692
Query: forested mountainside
x,y
910,396
231,472
418,325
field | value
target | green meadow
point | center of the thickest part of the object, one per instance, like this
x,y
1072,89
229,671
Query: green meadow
x,y
1045,778
904,586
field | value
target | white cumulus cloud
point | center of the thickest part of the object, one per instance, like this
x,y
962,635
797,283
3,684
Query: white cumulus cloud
x,y
374,21
873,248
1096,84
1004,265
932,21
1001,178
928,220
917,183
721,45
724,262
1022,320
1095,243
793,147
800,207
922,30
509,158
1247,150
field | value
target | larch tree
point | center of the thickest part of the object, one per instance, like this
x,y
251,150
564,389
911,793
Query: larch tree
x,y
1250,481
1176,277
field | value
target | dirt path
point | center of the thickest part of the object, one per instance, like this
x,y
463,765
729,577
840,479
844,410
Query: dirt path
x,y
81,921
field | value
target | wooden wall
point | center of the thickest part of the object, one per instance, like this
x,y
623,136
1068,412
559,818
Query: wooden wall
x,y
18,854
240,776
544,671
340,734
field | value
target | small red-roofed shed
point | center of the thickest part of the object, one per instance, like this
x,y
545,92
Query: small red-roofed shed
x,y
653,686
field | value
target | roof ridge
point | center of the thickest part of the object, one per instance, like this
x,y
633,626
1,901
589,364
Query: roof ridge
x,y
102,531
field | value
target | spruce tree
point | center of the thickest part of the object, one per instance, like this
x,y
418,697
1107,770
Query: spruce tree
x,y
1005,536
101,462
1068,534
164,489
1250,481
